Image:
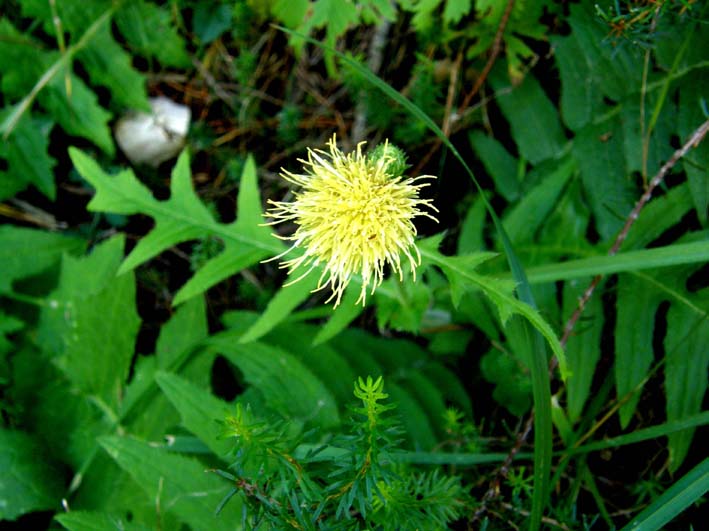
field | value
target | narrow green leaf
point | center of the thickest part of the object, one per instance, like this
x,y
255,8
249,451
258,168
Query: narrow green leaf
x,y
670,255
674,500
686,364
287,299
341,317
696,163
644,434
176,483
528,215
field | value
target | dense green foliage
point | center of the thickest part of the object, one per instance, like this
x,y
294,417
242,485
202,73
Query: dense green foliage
x,y
157,372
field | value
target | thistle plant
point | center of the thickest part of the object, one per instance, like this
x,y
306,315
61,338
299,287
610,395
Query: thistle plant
x,y
354,215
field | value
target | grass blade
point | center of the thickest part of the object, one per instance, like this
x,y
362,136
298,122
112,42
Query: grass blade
x,y
674,500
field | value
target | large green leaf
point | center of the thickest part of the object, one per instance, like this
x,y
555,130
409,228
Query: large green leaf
x,y
25,252
500,165
590,67
288,385
91,322
635,323
175,484
533,119
30,481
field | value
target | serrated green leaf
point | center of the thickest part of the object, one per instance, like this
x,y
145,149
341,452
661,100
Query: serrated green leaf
x,y
211,21
590,67
147,28
28,161
199,410
512,387
598,149
659,215
430,398
110,66
635,323
455,10
30,481
236,255
288,386
25,252
290,12
686,364
183,217
96,521
402,305
336,16
78,113
179,485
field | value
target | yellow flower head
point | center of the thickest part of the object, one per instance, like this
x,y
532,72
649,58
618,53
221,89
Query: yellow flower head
x,y
353,217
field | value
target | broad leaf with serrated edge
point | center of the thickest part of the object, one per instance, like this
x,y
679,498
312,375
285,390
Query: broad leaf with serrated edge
x,y
181,218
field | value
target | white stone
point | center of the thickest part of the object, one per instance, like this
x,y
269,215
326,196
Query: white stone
x,y
154,138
